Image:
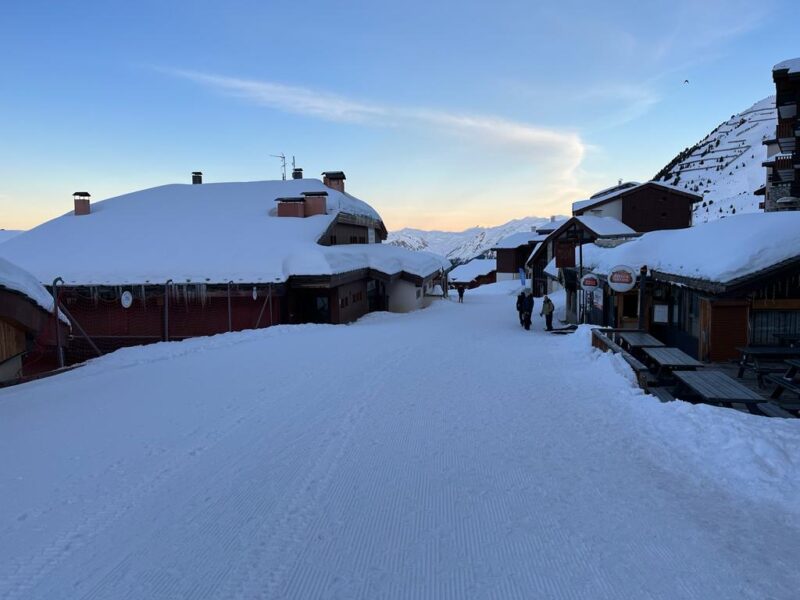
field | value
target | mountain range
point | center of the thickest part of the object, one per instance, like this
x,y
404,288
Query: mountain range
x,y
724,167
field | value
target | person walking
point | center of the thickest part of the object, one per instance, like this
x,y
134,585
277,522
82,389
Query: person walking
x,y
547,312
461,293
527,310
520,301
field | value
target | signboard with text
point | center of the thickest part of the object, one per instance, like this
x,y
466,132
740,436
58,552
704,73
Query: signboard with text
x,y
622,279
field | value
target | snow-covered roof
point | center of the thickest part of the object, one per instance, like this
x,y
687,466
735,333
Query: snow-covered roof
x,y
605,226
792,65
472,270
515,240
18,280
611,193
551,226
720,251
7,234
209,233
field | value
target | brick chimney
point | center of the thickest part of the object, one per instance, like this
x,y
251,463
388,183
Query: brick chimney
x,y
297,173
316,203
291,207
334,180
82,205
197,177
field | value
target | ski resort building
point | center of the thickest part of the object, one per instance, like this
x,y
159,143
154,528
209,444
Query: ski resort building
x,y
711,288
782,190
180,261
477,272
561,244
28,323
643,207
512,251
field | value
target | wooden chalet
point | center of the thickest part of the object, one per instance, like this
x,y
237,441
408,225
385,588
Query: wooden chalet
x,y
561,245
643,207
475,273
180,261
708,290
513,251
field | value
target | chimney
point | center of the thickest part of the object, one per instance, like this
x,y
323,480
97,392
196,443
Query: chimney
x,y
316,203
197,177
552,218
82,206
291,207
297,173
334,180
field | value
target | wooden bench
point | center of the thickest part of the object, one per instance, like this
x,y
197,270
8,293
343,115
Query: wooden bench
x,y
771,410
783,384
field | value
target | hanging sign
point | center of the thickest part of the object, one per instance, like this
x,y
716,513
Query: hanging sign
x,y
126,299
622,279
590,282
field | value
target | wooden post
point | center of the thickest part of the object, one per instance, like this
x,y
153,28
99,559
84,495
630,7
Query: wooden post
x,y
642,283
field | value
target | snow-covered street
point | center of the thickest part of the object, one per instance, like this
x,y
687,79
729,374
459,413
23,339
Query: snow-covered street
x,y
445,454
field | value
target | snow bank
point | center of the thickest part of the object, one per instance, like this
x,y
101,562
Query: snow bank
x,y
756,456
719,251
209,233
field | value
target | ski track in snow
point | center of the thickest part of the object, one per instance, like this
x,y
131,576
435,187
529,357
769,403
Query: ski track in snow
x,y
443,454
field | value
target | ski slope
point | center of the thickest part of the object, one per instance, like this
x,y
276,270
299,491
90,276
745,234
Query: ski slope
x,y
442,454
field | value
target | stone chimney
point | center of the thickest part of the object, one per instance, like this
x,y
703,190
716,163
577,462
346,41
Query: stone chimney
x,y
197,177
334,180
82,205
316,203
297,173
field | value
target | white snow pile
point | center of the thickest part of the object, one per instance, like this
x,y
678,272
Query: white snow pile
x,y
462,246
18,280
521,238
7,234
719,251
725,166
209,233
472,270
792,66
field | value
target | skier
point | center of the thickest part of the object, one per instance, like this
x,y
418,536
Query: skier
x,y
527,310
547,312
461,293
520,301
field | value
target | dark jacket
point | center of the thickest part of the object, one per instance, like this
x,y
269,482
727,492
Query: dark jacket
x,y
527,304
520,300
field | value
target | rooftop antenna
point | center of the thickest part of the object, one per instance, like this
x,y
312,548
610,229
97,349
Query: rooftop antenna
x,y
294,166
282,156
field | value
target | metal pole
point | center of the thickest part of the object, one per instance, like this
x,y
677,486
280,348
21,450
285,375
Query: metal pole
x,y
580,274
230,319
166,309
59,349
642,278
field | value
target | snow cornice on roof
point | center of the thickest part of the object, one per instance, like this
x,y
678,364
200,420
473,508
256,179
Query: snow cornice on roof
x,y
791,66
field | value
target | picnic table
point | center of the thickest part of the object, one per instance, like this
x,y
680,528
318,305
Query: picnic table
x,y
786,382
753,358
716,387
671,359
639,339
787,339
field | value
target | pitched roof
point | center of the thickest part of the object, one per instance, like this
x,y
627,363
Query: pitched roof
x,y
15,279
209,233
792,66
472,270
601,227
610,194
516,240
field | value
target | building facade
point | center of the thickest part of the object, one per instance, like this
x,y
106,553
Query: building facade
x,y
782,190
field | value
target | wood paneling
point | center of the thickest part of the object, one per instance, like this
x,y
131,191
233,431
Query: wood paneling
x,y
728,329
12,340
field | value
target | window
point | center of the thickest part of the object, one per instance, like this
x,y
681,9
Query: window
x,y
630,306
343,302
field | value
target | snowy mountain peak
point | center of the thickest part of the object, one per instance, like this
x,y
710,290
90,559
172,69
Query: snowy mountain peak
x,y
462,246
725,166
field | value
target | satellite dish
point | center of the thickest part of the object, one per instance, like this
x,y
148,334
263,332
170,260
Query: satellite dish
x,y
126,299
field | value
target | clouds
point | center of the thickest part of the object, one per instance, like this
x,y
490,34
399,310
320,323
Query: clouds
x,y
563,151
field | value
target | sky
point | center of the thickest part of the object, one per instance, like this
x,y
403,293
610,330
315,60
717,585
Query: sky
x,y
443,115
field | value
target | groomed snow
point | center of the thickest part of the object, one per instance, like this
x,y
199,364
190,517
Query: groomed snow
x,y
472,270
209,233
18,280
504,464
719,251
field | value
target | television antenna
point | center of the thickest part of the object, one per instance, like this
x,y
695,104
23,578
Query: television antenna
x,y
282,156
